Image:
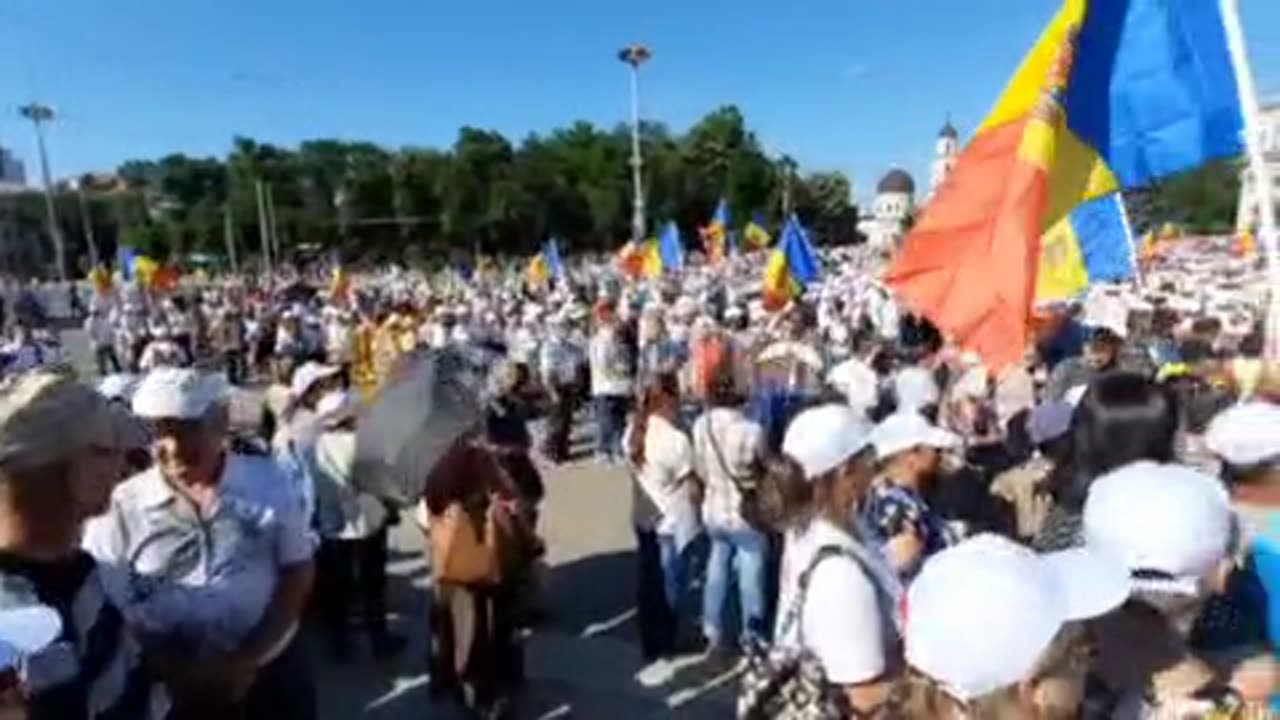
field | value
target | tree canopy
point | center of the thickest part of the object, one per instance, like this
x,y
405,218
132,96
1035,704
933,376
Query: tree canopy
x,y
485,193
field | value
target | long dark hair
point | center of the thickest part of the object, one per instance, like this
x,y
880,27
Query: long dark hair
x,y
1122,418
662,387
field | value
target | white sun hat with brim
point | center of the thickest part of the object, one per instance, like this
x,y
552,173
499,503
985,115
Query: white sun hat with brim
x,y
1171,525
906,430
1245,434
982,613
25,631
179,393
823,437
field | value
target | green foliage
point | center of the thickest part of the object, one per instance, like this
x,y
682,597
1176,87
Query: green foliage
x,y
485,193
1201,201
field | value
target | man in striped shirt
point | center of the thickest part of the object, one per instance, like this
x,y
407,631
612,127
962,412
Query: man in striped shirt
x,y
59,460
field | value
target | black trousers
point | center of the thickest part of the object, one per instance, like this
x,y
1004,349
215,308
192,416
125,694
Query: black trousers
x,y
105,356
283,688
235,364
656,618
351,568
560,422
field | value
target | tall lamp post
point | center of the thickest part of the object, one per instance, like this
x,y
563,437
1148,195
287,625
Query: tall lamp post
x,y
41,115
634,56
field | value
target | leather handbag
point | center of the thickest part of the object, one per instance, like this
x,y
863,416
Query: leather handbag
x,y
464,551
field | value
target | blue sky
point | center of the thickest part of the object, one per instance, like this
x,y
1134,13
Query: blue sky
x,y
851,85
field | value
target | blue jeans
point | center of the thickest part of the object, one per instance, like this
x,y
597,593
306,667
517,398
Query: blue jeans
x,y
746,551
611,421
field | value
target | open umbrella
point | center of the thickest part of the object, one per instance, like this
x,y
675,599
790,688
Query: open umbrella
x,y
433,397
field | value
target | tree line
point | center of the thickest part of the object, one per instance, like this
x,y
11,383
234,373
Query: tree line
x,y
485,194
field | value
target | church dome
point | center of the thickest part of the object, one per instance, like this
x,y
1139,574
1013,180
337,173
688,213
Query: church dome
x,y
896,181
949,131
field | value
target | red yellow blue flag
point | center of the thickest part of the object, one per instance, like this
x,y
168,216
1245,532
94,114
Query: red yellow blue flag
x,y
1114,95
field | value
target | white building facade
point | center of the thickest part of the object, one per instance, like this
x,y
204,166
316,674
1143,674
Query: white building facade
x,y
893,204
945,152
1247,215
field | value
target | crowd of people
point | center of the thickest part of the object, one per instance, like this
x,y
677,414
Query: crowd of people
x,y
881,525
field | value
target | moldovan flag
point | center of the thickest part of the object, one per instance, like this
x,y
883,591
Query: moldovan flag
x,y
1115,94
538,272
754,236
715,233
791,266
1092,244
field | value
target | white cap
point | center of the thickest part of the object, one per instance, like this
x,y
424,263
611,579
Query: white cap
x,y
821,438
1168,519
1246,434
25,631
180,393
915,388
857,381
982,613
305,377
906,430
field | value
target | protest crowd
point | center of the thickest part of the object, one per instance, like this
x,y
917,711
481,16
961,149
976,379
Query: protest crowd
x,y
1087,533
1016,464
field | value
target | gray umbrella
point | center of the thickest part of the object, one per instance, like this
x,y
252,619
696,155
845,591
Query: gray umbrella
x,y
433,397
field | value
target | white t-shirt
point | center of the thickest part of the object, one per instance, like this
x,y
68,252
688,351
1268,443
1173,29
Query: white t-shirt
x,y
668,461
844,624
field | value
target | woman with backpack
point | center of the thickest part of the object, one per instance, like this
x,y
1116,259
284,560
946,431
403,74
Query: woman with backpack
x,y
839,600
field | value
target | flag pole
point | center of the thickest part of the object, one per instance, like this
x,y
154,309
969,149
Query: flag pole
x,y
1133,246
1257,167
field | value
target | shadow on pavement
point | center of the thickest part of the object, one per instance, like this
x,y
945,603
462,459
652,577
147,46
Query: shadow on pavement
x,y
594,595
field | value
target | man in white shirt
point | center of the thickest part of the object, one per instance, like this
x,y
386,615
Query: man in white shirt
x,y
560,365
611,382
102,336
212,558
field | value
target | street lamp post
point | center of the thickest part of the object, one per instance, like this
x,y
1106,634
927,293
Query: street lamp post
x,y
86,221
634,56
41,115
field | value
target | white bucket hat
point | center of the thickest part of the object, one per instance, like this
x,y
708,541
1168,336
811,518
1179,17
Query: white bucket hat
x,y
982,613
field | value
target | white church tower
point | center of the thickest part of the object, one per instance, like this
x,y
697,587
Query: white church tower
x,y
945,152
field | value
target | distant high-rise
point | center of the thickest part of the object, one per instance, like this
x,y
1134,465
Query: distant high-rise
x,y
13,174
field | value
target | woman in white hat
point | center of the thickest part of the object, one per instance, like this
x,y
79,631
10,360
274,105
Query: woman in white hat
x,y
837,598
994,631
1174,530
896,513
